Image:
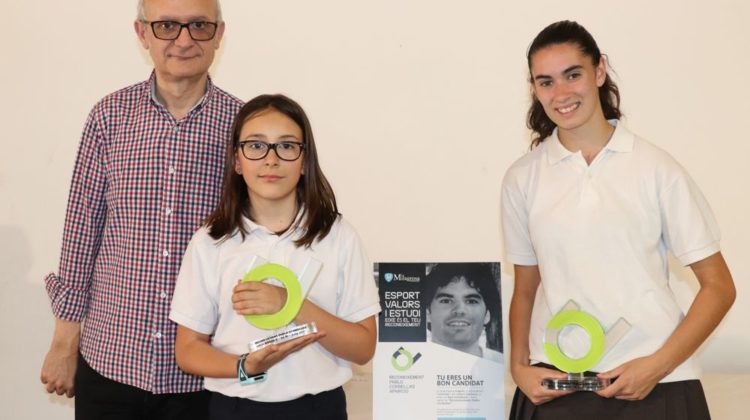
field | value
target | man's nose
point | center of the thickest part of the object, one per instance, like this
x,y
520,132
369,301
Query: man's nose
x,y
183,38
459,308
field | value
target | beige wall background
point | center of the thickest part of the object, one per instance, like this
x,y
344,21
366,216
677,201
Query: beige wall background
x,y
418,108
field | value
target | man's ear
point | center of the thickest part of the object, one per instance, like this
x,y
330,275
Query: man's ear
x,y
140,32
219,35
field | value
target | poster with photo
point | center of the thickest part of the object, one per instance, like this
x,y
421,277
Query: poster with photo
x,y
440,352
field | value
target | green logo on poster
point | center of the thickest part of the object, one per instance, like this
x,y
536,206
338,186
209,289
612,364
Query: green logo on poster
x,y
406,357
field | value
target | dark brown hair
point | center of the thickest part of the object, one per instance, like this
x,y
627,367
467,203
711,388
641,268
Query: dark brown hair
x,y
480,277
568,32
314,193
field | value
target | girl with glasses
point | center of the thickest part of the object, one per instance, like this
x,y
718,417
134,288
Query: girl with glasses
x,y
589,215
277,205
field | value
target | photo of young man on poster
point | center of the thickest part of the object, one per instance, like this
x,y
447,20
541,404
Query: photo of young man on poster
x,y
463,308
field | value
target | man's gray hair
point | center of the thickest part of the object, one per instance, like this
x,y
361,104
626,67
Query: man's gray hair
x,y
142,11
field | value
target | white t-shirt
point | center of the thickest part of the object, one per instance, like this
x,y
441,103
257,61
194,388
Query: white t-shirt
x,y
344,287
600,235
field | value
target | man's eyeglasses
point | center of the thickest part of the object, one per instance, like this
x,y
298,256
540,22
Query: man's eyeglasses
x,y
285,150
170,30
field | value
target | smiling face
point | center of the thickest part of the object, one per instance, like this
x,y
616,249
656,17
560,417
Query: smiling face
x,y
270,180
457,315
182,58
566,83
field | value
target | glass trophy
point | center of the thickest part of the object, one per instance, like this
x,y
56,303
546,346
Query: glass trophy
x,y
297,289
600,343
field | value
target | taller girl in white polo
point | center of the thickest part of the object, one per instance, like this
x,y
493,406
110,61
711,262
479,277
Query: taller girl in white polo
x,y
589,214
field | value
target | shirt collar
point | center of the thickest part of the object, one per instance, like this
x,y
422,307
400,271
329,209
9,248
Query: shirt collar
x,y
297,225
199,105
250,226
621,141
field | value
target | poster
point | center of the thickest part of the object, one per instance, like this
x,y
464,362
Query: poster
x,y
439,351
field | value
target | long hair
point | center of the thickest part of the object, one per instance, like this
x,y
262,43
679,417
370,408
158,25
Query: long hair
x,y
568,32
319,210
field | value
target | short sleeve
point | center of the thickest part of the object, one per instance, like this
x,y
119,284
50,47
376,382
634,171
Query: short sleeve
x,y
689,228
357,296
515,222
195,300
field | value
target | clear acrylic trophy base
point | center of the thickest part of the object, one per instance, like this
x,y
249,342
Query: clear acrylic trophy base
x,y
576,382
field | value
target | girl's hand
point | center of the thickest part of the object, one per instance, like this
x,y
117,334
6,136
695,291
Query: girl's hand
x,y
635,379
257,298
262,360
529,379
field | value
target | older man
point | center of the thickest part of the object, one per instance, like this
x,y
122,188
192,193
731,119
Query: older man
x,y
148,171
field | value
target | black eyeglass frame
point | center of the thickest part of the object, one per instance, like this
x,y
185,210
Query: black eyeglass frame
x,y
182,26
269,147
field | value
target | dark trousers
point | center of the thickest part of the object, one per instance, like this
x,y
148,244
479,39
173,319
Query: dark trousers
x,y
99,398
328,405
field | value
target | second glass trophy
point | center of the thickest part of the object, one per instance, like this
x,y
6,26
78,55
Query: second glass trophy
x,y
576,367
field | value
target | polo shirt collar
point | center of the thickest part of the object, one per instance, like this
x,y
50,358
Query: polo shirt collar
x,y
251,226
555,150
621,141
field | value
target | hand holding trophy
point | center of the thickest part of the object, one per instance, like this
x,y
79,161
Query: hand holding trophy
x,y
296,290
600,344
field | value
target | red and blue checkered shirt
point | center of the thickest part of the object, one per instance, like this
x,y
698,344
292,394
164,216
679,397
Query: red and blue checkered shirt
x,y
143,183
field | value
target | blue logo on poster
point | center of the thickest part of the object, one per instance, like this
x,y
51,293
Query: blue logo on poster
x,y
388,277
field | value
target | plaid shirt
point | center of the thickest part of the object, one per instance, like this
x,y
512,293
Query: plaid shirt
x,y
142,184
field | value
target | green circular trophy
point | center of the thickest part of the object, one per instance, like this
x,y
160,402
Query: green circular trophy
x,y
293,296
599,344
296,292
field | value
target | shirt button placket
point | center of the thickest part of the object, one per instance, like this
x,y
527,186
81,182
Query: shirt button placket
x,y
168,225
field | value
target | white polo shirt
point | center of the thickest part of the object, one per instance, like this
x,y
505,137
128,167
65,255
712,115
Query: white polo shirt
x,y
344,287
600,235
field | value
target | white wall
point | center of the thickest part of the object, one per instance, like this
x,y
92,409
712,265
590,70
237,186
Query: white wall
x,y
418,108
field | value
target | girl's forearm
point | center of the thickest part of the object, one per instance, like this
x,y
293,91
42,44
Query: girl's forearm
x,y
352,341
715,297
195,355
527,279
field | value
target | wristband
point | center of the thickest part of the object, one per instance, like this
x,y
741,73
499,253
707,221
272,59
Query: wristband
x,y
246,379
